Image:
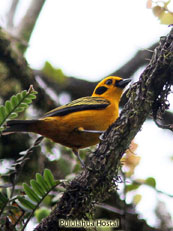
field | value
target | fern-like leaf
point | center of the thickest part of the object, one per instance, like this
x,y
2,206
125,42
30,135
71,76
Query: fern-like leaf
x,y
31,193
16,104
3,204
48,176
26,204
42,182
3,200
39,189
36,193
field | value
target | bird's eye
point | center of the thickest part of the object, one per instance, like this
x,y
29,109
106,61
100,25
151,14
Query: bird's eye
x,y
108,82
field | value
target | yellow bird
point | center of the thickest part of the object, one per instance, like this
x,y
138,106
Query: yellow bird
x,y
79,123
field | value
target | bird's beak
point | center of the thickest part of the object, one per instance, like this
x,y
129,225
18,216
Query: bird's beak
x,y
122,83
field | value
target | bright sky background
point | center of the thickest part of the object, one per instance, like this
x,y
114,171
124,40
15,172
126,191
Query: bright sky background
x,y
90,39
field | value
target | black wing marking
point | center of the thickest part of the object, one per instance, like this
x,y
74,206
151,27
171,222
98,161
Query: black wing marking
x,y
81,104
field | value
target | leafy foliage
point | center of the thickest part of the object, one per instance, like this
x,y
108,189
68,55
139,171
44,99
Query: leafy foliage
x,y
38,190
16,211
26,205
55,73
3,201
41,213
131,187
162,11
16,104
150,181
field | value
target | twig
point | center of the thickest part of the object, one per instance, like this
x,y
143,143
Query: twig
x,y
10,15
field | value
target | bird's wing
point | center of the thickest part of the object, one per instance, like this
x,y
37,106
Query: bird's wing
x,y
81,104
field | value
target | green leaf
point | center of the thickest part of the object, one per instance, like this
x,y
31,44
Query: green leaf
x,y
30,193
40,180
19,109
137,198
54,73
2,113
27,100
42,213
8,106
166,18
31,96
13,115
34,92
37,188
26,203
49,178
3,199
14,101
151,182
16,104
132,187
24,105
24,93
19,97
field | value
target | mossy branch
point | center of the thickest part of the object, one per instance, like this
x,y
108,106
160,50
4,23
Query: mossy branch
x,y
95,182
18,68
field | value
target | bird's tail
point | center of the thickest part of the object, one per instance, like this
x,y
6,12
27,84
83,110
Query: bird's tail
x,y
18,126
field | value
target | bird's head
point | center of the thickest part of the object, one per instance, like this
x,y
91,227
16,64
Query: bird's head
x,y
111,88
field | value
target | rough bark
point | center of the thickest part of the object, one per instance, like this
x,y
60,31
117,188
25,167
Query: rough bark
x,y
94,183
18,69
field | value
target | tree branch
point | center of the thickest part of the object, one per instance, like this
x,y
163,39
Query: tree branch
x,y
26,26
94,183
10,15
18,68
72,84
141,58
164,216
